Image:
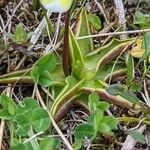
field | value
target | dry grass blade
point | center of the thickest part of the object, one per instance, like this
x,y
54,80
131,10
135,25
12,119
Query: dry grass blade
x,y
9,20
2,126
114,33
121,13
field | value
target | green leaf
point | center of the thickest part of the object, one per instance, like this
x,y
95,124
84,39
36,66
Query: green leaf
x,y
20,146
29,114
49,144
30,146
135,86
115,89
22,130
82,28
23,119
20,34
104,128
11,109
77,145
16,145
47,62
103,106
101,123
97,59
45,79
40,121
43,69
4,114
141,20
130,69
35,74
130,96
110,121
146,44
95,21
107,72
138,136
27,104
70,89
76,55
6,101
84,130
95,119
93,102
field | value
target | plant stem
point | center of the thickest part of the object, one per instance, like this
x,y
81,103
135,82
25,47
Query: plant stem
x,y
132,119
66,51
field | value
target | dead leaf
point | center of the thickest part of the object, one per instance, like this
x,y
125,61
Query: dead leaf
x,y
138,51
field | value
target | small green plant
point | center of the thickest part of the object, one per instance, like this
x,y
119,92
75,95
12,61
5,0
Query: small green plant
x,y
43,144
95,21
142,20
97,121
43,69
24,118
20,36
90,69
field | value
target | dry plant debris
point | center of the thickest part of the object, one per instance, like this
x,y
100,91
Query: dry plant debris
x,y
104,103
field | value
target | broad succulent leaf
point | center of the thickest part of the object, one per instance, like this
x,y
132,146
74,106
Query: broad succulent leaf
x,y
82,28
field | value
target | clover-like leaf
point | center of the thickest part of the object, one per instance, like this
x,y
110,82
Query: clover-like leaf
x,y
40,121
27,104
28,115
6,101
4,114
23,130
141,20
45,79
103,105
19,146
110,121
9,107
78,144
49,144
47,62
104,128
93,101
84,130
42,69
95,119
